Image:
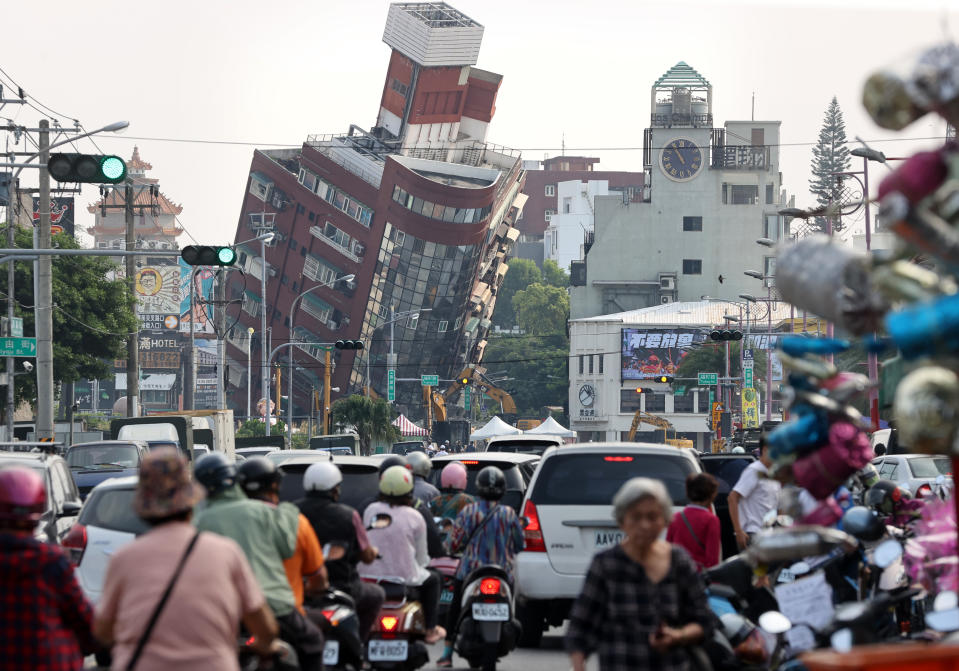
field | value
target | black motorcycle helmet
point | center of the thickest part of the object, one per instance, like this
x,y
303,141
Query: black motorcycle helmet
x,y
884,497
863,523
394,460
215,472
258,475
491,483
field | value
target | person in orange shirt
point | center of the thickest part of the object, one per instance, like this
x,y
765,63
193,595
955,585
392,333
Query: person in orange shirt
x,y
260,479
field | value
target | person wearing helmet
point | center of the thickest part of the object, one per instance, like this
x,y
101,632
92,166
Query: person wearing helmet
x,y
434,541
214,588
267,536
486,533
738,449
453,497
423,490
259,479
338,523
45,622
895,504
402,544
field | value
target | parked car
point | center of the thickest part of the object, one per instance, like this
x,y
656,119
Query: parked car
x,y
106,523
527,444
280,456
92,463
517,467
63,497
404,447
726,468
361,476
569,517
915,472
261,451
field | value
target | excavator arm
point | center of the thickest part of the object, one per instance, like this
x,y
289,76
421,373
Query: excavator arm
x,y
645,418
477,376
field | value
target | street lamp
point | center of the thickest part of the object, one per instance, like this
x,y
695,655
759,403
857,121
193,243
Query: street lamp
x,y
249,369
264,238
766,242
394,317
289,416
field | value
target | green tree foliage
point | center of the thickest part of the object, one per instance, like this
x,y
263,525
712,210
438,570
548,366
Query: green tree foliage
x,y
254,428
829,156
92,314
370,418
541,309
521,274
553,275
535,367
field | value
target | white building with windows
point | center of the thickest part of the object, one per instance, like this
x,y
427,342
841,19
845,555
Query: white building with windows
x,y
611,356
710,193
570,228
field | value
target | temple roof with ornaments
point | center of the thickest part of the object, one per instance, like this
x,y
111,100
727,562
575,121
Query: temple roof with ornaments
x,y
146,193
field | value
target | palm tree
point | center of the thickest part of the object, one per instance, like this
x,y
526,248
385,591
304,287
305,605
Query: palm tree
x,y
371,418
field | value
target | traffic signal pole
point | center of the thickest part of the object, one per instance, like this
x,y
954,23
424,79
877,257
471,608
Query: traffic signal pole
x,y
133,371
44,298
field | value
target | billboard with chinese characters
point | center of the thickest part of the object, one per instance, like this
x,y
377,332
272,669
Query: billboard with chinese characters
x,y
202,295
157,289
649,353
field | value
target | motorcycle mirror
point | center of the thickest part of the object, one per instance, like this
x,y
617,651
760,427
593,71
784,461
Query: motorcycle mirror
x,y
863,523
841,640
774,622
945,600
943,620
333,552
886,553
381,521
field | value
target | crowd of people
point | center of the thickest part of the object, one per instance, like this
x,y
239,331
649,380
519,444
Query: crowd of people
x,y
223,552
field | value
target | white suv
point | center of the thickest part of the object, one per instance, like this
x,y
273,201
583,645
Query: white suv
x,y
569,510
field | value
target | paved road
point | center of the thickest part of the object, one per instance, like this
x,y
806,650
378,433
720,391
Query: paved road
x,y
549,657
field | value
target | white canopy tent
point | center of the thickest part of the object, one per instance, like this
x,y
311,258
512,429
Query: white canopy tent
x,y
494,427
551,428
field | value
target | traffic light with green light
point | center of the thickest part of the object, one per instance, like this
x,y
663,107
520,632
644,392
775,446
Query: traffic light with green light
x,y
207,255
87,168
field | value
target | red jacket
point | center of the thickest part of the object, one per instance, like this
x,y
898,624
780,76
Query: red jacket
x,y
706,526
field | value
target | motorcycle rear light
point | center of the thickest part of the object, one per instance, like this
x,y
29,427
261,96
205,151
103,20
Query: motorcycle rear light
x,y
249,642
388,622
489,586
617,458
328,614
75,542
533,533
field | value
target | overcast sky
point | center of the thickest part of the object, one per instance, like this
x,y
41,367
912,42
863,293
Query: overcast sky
x,y
239,74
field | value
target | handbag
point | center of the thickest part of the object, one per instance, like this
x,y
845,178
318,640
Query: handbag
x,y
692,533
141,644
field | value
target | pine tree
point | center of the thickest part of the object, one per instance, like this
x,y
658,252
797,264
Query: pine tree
x,y
829,156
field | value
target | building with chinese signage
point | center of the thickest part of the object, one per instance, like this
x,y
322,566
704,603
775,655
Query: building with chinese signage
x,y
613,355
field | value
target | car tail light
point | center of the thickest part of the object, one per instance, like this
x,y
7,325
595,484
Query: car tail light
x,y
533,533
924,490
489,586
388,622
75,542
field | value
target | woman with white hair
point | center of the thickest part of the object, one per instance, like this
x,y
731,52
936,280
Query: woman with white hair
x,y
643,601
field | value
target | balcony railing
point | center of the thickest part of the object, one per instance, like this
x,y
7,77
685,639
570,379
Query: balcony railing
x,y
669,120
740,157
317,232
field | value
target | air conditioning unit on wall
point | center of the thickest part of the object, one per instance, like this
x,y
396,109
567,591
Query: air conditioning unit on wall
x,y
665,299
667,283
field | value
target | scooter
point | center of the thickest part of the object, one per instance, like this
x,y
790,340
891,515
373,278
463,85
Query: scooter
x,y
334,612
487,628
397,639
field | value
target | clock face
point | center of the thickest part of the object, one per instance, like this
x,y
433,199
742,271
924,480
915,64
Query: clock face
x,y
587,394
681,160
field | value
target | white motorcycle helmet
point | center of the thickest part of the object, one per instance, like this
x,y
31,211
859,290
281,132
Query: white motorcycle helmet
x,y
322,477
420,463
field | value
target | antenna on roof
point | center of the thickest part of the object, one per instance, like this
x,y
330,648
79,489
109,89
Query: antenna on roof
x,y
753,118
563,153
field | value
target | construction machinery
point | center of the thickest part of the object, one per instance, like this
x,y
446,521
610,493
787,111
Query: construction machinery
x,y
436,401
653,420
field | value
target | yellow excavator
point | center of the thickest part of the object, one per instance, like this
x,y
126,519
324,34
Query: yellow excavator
x,y
653,420
436,401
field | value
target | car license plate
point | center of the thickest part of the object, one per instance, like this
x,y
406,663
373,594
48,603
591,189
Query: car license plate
x,y
331,653
490,612
606,539
382,650
446,596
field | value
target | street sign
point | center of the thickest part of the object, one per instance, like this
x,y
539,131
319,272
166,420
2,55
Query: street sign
x,y
717,414
466,399
707,379
748,378
747,354
18,346
679,391
16,327
430,380
391,385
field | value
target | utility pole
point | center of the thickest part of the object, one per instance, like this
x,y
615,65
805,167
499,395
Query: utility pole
x,y
44,297
326,391
133,342
11,302
221,367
